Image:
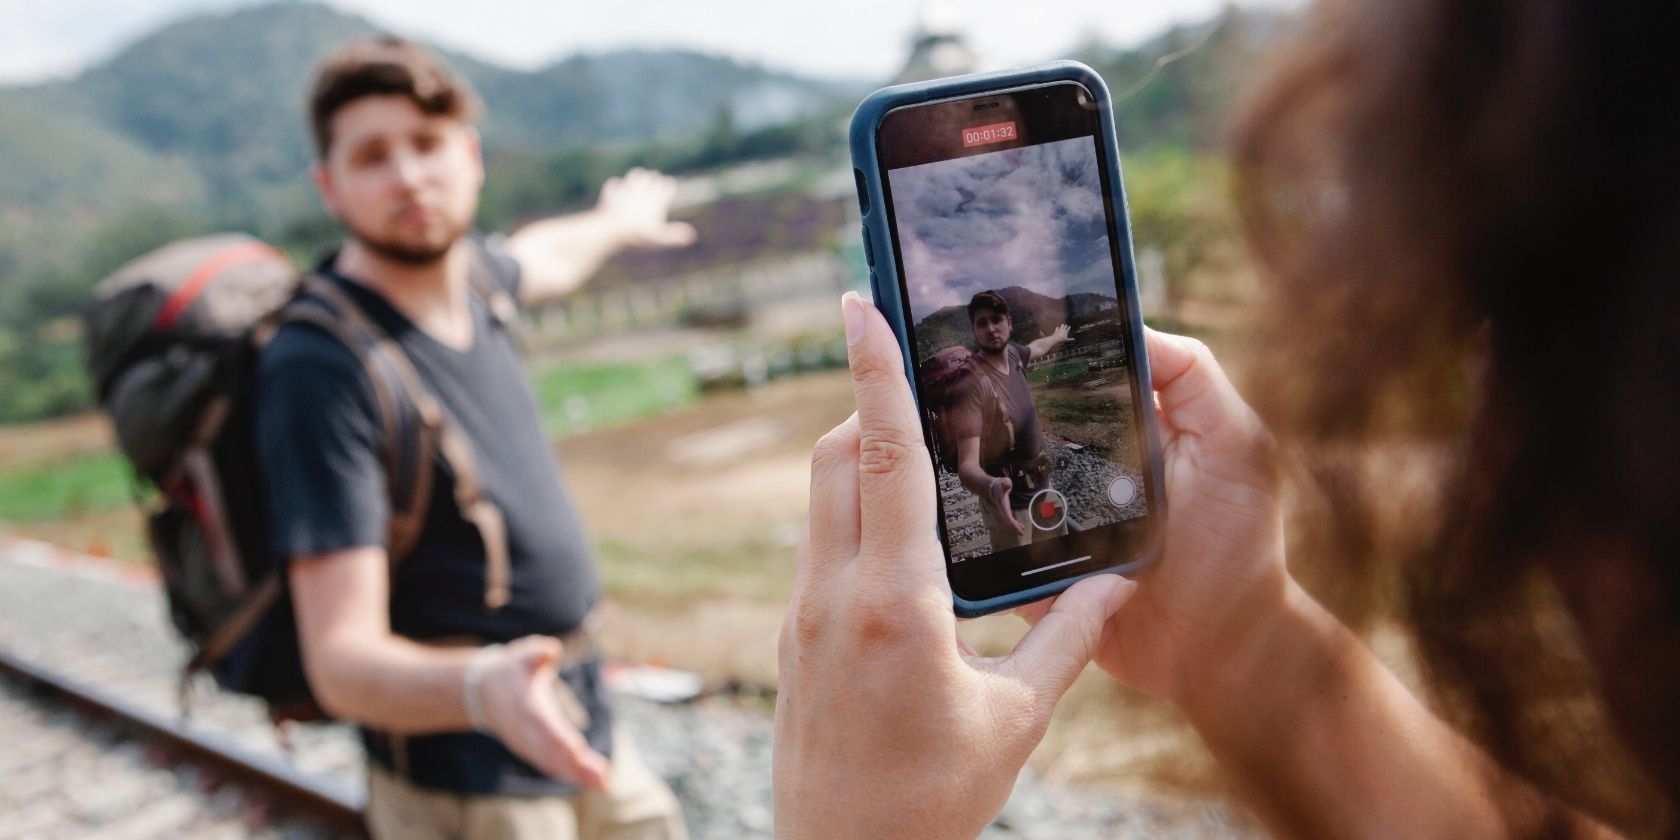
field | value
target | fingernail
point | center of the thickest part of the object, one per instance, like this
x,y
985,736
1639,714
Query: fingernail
x,y
1120,594
851,309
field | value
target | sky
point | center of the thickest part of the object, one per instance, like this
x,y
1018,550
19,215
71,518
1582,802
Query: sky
x,y
1030,217
860,39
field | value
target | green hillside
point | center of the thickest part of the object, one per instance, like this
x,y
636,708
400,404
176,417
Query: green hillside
x,y
228,91
62,172
199,126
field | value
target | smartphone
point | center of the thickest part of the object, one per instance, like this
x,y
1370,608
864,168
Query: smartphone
x,y
994,225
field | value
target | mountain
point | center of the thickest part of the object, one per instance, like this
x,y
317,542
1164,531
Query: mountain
x,y
204,117
200,124
224,90
638,95
62,174
228,91
214,102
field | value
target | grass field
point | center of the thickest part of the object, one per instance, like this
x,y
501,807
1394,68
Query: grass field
x,y
1060,371
578,397
63,487
65,481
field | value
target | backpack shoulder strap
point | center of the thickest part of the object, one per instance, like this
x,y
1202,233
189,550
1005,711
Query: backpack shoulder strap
x,y
410,437
994,415
399,390
480,277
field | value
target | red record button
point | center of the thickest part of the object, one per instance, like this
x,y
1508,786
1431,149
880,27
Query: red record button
x,y
1048,510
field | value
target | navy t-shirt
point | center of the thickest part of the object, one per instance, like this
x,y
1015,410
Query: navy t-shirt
x,y
322,454
1014,397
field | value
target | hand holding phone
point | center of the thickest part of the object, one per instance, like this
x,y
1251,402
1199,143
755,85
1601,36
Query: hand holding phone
x,y
1222,579
886,725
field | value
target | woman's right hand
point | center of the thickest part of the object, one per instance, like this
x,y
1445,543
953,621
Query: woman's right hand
x,y
1221,573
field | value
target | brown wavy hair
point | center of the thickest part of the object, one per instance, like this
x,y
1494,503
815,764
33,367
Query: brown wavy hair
x,y
1468,214
385,66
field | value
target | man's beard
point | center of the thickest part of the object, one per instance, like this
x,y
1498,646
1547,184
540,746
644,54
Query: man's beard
x,y
417,256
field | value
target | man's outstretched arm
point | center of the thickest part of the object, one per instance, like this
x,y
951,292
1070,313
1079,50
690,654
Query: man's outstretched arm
x,y
1049,343
557,254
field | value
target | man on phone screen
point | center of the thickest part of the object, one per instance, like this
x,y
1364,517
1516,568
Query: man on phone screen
x,y
1001,455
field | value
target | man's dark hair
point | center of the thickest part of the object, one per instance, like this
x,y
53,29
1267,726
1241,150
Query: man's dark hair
x,y
385,66
987,300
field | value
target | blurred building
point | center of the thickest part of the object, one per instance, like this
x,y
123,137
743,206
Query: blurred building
x,y
938,48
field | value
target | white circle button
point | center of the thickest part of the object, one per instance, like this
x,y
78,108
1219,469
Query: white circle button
x,y
1122,491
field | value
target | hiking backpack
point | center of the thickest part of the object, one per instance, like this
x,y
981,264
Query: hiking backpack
x,y
173,342
947,377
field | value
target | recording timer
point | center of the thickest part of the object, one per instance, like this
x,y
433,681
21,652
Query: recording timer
x,y
981,135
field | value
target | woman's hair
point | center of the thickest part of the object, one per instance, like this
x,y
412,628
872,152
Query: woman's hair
x,y
1468,212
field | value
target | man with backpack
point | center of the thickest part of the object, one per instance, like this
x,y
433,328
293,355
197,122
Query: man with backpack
x,y
1001,456
446,652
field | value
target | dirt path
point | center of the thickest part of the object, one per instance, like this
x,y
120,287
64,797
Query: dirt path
x,y
696,517
83,434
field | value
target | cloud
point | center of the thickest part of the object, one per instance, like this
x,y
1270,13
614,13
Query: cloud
x,y
1030,217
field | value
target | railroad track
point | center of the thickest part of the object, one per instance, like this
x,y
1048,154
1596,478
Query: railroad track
x,y
99,626
108,767
93,741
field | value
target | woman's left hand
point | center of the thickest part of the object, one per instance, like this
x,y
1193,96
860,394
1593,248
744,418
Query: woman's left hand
x,y
887,725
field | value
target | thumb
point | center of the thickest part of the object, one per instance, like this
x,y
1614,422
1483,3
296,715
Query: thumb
x,y
1194,393
1063,640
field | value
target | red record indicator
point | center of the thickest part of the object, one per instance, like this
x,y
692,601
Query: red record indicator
x,y
1048,510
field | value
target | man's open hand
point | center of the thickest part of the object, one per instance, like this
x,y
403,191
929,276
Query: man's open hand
x,y
637,207
523,712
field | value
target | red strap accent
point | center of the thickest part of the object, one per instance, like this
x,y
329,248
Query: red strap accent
x,y
185,495
190,499
189,291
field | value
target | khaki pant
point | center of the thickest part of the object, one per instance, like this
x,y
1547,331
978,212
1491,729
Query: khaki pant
x,y
636,806
1003,536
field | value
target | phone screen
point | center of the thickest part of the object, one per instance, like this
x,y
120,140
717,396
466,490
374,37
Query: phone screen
x,y
1011,258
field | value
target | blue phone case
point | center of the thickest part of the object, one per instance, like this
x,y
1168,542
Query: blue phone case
x,y
884,279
